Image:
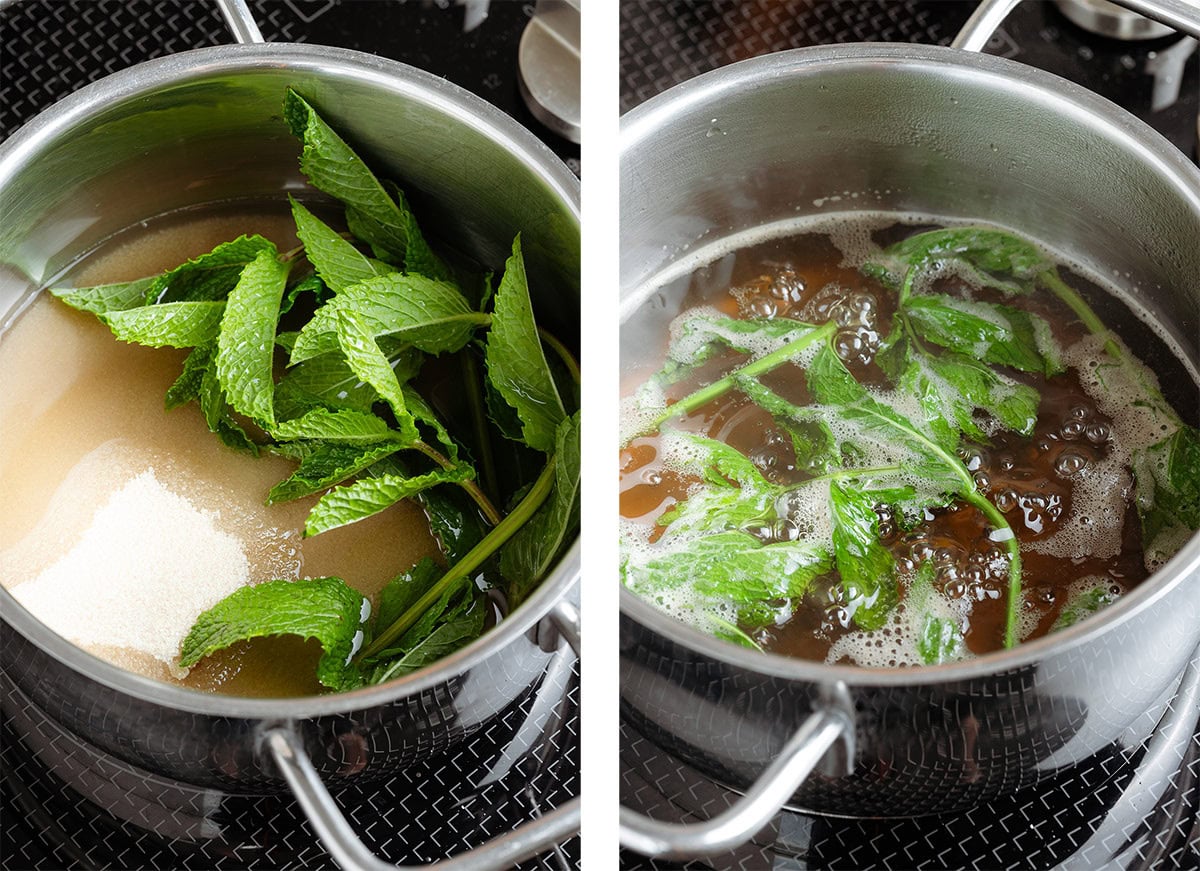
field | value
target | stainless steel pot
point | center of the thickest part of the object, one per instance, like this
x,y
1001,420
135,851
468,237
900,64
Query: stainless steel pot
x,y
204,126
942,132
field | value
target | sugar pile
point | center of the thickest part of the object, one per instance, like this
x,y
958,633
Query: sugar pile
x,y
146,567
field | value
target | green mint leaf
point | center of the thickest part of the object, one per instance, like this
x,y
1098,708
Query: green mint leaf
x,y
246,343
326,465
333,167
730,632
813,442
336,260
188,385
104,298
830,382
940,641
423,413
328,381
172,324
516,364
311,284
698,337
349,427
738,496
326,609
732,568
209,277
418,256
528,555
866,566
1083,606
368,496
454,520
996,258
403,591
1168,493
444,640
368,362
978,330
430,315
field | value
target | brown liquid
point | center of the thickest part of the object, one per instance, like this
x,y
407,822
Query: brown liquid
x,y
74,395
1029,478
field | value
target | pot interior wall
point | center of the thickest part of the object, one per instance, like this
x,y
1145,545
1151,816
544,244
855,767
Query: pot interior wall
x,y
215,132
816,132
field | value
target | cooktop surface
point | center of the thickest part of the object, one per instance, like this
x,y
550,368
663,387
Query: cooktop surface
x,y
524,765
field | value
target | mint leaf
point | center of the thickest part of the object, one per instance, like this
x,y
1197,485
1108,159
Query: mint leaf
x,y
403,591
454,520
978,330
188,385
737,498
209,277
322,608
730,632
367,361
527,557
333,167
1083,606
312,284
422,412
516,364
732,567
172,324
1168,493
326,465
348,427
866,566
368,496
830,382
336,260
431,315
450,636
940,641
327,380
813,442
246,343
104,298
997,259
418,256
698,337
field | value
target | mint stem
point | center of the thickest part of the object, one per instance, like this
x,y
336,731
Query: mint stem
x,y
487,458
1091,320
485,505
999,522
761,366
502,532
563,354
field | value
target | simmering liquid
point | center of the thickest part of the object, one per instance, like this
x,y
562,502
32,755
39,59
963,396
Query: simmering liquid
x,y
82,418
1066,490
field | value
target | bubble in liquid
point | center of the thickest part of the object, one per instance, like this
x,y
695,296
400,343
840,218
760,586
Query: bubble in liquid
x,y
1070,463
1072,430
762,307
652,477
850,346
1005,462
1098,433
982,481
1006,500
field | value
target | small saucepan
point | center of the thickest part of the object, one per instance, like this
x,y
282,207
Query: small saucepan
x,y
961,135
204,126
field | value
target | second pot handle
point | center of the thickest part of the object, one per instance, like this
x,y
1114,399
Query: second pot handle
x,y
757,807
1182,15
349,852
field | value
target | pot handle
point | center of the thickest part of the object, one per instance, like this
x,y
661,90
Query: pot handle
x,y
523,842
241,21
1182,15
757,807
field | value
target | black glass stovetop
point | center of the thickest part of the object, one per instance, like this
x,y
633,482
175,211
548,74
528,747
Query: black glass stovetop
x,y
1127,807
528,761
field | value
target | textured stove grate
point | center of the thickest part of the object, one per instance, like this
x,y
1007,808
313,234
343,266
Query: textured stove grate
x,y
1128,808
441,807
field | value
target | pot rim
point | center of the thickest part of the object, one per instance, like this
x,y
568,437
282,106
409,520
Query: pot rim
x,y
1070,99
403,82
